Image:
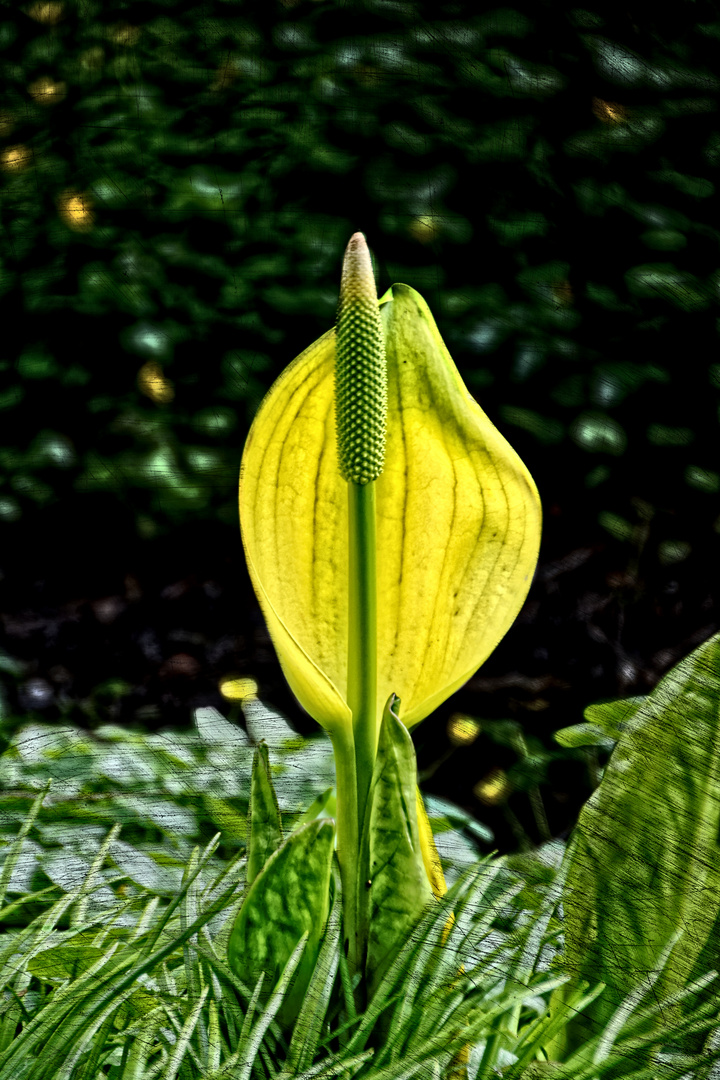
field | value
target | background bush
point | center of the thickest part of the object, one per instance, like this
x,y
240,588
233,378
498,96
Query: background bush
x,y
179,181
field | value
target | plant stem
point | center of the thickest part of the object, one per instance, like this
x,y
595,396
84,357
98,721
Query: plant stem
x,y
538,807
362,636
362,667
348,838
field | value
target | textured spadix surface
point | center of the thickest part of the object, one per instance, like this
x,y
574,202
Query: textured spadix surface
x,y
360,370
458,524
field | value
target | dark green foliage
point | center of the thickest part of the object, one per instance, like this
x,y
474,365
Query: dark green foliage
x,y
545,178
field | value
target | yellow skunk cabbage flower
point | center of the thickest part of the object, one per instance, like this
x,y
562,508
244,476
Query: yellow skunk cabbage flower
x,y
457,513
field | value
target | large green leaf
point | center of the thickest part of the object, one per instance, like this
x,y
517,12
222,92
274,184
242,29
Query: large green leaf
x,y
396,883
289,896
644,858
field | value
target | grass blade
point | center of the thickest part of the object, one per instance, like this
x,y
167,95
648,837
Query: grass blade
x,y
183,1040
308,1026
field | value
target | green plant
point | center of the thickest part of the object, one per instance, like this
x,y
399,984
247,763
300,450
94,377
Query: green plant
x,y
293,958
140,992
381,511
121,972
339,619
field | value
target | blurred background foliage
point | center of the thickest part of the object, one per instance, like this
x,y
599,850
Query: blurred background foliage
x,y
179,181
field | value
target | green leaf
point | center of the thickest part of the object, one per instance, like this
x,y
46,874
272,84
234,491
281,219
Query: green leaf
x,y
673,551
583,735
324,806
145,871
664,239
703,479
644,861
663,281
308,1028
289,897
662,435
393,873
65,962
617,526
598,433
225,817
544,428
264,824
137,1006
613,717
445,816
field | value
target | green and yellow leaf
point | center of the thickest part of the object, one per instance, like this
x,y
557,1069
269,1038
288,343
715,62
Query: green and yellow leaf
x,y
393,874
289,897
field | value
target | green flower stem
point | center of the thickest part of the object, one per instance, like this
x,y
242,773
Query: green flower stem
x,y
354,766
361,417
362,635
348,836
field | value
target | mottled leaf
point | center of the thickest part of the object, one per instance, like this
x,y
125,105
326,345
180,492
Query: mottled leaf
x,y
264,824
395,878
290,896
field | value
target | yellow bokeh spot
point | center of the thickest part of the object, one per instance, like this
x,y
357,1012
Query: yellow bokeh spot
x,y
225,76
610,112
493,789
15,158
123,33
75,209
45,91
46,11
463,730
153,383
238,689
424,228
562,293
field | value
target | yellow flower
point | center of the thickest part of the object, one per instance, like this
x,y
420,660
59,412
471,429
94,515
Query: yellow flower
x,y
458,525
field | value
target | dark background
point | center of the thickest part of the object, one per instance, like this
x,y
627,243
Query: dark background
x,y
179,181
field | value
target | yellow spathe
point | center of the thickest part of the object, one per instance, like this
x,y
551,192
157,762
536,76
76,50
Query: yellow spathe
x,y
458,525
